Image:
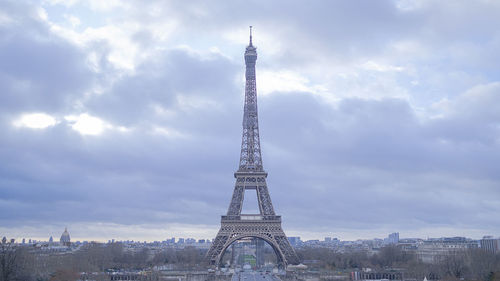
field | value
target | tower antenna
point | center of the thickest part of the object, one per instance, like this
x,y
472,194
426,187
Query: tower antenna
x,y
250,35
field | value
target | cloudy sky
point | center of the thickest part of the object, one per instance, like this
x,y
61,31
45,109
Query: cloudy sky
x,y
122,119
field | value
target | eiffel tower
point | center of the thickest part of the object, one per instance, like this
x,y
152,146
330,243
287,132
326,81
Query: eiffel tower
x,y
251,176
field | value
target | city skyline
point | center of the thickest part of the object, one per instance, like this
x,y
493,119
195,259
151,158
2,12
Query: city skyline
x,y
122,120
391,238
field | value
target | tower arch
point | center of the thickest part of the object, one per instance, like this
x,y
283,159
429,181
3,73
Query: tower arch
x,y
280,257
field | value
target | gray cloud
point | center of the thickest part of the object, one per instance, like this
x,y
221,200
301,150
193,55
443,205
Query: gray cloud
x,y
361,163
38,71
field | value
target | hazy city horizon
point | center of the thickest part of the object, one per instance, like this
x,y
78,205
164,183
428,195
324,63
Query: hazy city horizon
x,y
211,235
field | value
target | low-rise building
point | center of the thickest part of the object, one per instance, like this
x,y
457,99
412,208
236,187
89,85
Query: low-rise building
x,y
434,249
490,244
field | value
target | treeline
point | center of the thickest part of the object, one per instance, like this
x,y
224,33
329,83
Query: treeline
x,y
28,264
473,264
187,258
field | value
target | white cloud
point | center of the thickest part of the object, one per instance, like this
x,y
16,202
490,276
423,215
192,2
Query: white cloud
x,y
42,13
87,125
371,65
72,20
35,121
284,81
168,132
123,50
123,129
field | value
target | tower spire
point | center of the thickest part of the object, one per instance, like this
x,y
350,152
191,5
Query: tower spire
x,y
250,36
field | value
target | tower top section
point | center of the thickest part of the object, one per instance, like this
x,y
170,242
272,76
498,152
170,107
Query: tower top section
x,y
251,51
250,157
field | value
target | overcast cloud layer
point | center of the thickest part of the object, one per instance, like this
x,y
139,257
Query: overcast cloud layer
x,y
123,120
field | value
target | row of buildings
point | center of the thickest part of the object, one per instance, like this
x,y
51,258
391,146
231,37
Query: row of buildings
x,y
65,240
427,250
332,242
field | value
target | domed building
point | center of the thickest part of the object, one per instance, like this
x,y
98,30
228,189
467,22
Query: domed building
x,y
65,239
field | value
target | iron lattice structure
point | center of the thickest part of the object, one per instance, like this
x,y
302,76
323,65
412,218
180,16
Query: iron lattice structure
x,y
251,176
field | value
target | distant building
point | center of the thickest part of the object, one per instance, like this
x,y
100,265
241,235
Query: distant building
x,y
65,239
490,244
51,240
434,249
295,241
393,238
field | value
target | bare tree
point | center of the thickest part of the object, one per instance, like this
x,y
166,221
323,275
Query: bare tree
x,y
8,260
481,263
392,256
453,264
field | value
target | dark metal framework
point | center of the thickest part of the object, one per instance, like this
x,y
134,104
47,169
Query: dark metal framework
x,y
266,225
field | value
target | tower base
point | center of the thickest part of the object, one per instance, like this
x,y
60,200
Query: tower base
x,y
267,228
